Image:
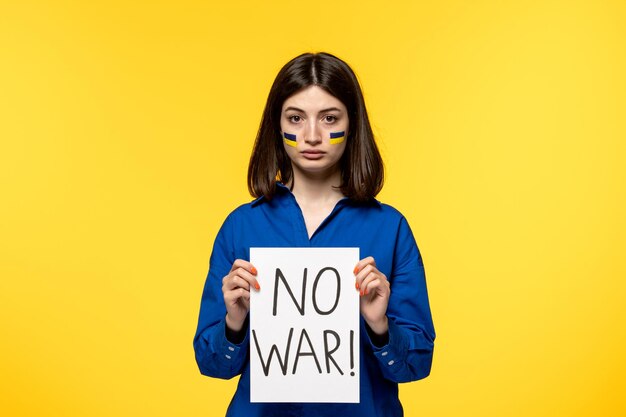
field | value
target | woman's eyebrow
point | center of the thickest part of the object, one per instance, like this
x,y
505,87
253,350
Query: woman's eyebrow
x,y
320,112
329,109
294,109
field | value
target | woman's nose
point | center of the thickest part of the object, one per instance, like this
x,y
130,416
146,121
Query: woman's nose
x,y
313,134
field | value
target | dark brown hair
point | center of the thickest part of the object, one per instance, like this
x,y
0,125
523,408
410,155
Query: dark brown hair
x,y
361,165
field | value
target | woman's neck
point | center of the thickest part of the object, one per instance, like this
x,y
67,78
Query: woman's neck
x,y
322,188
316,195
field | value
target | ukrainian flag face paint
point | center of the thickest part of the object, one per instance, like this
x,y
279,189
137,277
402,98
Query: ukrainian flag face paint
x,y
337,137
289,139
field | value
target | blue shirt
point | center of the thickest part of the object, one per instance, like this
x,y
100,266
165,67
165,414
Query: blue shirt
x,y
379,231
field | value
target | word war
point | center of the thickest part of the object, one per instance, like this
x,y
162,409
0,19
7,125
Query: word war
x,y
332,343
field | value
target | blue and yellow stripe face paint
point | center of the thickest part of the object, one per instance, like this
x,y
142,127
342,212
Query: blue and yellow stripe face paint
x,y
337,137
289,139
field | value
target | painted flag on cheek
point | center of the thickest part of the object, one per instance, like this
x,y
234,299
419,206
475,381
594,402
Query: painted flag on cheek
x,y
337,137
289,139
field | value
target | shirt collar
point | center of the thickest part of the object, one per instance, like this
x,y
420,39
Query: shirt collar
x,y
282,188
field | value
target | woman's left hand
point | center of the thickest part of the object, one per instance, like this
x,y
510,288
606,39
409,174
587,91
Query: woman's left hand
x,y
374,290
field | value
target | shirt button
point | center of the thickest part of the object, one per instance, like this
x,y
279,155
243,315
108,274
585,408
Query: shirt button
x,y
391,362
227,356
232,349
384,353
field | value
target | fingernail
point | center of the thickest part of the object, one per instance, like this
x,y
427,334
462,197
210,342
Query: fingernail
x,y
361,292
253,270
356,270
356,285
257,286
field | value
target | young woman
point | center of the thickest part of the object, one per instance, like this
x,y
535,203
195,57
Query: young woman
x,y
315,170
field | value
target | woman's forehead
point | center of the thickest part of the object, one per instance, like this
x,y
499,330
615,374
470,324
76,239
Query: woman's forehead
x,y
313,99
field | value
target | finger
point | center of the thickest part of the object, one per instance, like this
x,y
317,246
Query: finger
x,y
365,284
234,296
364,272
245,275
373,275
361,264
240,263
231,297
378,285
235,281
250,270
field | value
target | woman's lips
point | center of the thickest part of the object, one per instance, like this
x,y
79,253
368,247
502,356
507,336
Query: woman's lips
x,y
312,154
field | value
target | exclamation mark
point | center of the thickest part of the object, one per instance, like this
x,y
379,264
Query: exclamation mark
x,y
351,352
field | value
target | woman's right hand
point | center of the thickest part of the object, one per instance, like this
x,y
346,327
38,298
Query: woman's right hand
x,y
236,289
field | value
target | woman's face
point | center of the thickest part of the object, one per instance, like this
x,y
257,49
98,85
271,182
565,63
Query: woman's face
x,y
314,128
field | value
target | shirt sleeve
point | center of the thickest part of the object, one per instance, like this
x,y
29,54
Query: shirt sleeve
x,y
409,352
217,356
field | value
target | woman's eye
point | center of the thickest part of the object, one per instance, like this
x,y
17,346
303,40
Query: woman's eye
x,y
330,119
295,119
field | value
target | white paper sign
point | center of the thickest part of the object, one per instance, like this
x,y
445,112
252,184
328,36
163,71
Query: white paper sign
x,y
304,326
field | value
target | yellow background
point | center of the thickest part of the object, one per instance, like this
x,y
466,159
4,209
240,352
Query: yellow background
x,y
126,129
